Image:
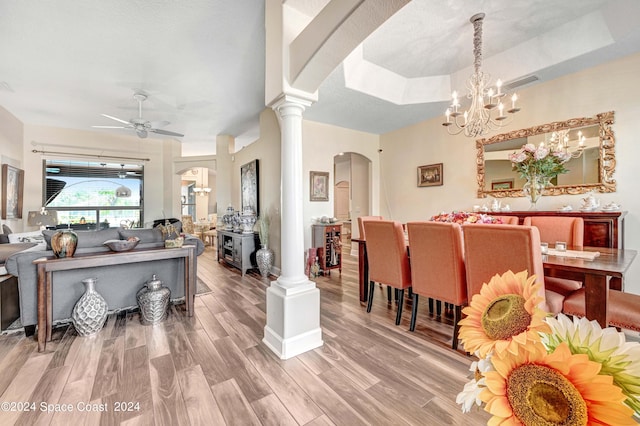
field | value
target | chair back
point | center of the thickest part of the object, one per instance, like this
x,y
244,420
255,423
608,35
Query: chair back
x,y
387,253
558,228
361,221
509,220
437,261
491,250
187,224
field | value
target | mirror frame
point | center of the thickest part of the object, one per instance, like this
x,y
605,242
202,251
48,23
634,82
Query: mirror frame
x,y
607,156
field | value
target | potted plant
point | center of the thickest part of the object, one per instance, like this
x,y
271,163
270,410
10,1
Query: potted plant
x,y
264,256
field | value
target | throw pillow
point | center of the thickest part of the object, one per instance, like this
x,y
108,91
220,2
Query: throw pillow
x,y
4,239
6,230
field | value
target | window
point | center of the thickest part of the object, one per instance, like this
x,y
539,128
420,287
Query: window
x,y
93,195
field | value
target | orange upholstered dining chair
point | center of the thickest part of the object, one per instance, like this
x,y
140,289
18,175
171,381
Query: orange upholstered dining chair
x,y
388,259
508,220
563,228
495,249
437,267
361,221
623,309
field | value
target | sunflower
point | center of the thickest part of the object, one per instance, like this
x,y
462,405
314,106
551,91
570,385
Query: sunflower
x,y
505,315
619,358
536,388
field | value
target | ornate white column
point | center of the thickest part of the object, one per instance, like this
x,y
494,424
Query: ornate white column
x,y
293,301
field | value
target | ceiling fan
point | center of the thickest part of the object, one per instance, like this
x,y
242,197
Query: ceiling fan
x,y
140,125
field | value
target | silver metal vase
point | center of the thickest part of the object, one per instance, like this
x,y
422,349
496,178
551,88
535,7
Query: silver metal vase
x,y
90,311
264,259
153,300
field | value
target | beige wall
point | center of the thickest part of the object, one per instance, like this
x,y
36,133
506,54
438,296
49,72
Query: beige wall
x,y
11,135
609,87
320,143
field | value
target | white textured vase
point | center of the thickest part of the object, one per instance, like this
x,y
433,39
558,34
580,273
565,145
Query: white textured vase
x,y
90,311
264,259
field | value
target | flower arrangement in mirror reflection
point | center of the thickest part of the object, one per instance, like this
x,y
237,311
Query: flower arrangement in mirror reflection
x,y
465,217
534,369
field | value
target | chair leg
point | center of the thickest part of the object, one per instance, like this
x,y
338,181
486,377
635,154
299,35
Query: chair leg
x,y
399,315
438,308
370,301
395,294
389,293
456,319
414,312
430,306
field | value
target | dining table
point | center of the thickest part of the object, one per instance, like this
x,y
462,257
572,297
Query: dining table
x,y
598,274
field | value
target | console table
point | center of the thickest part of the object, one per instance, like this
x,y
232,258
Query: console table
x,y
601,229
238,249
48,265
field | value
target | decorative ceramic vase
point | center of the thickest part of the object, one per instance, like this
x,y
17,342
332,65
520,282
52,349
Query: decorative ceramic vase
x,y
64,243
247,220
533,189
90,311
264,259
235,222
227,219
153,300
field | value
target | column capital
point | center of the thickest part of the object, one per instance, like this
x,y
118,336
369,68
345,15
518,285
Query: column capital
x,y
291,103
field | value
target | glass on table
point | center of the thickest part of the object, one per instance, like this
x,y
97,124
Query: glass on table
x,y
561,246
544,248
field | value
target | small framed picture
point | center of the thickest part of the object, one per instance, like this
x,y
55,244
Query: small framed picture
x,y
319,189
12,187
502,184
430,175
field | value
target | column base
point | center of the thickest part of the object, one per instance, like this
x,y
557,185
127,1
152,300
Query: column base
x,y
293,319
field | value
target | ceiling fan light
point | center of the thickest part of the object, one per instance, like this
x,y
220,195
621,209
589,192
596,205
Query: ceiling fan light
x,y
123,192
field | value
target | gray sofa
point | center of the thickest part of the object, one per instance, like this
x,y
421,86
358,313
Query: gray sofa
x,y
117,284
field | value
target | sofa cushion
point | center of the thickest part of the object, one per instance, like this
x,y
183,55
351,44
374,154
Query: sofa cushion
x,y
146,235
87,238
6,230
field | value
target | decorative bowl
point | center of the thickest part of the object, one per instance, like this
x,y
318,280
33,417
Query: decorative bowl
x,y
122,245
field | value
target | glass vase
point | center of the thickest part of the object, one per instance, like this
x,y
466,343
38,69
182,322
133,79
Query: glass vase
x,y
533,189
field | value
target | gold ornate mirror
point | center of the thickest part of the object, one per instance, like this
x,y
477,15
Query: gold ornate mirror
x,y
591,169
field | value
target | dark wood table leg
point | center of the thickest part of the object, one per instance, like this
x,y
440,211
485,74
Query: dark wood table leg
x,y
49,304
42,318
190,282
596,298
363,271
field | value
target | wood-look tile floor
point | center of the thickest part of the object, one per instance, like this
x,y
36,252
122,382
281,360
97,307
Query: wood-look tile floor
x,y
213,369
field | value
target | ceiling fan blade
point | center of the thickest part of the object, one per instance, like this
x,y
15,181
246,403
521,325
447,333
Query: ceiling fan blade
x,y
165,132
110,127
156,124
115,118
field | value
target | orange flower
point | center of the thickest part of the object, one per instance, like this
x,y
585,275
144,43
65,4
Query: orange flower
x,y
504,316
536,388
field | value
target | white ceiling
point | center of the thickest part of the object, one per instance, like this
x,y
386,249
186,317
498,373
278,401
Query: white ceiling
x,y
201,62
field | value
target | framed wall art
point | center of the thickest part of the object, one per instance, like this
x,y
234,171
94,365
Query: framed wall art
x,y
502,184
319,186
12,187
249,183
430,175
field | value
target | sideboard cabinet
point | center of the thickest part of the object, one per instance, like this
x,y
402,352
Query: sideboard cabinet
x,y
238,249
601,229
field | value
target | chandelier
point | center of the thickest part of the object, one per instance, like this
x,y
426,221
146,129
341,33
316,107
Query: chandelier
x,y
560,142
478,120
201,190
